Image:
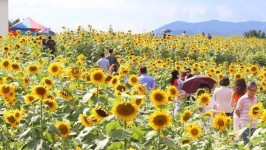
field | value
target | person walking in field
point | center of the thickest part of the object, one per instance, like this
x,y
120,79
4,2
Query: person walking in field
x,y
242,110
112,59
103,63
146,79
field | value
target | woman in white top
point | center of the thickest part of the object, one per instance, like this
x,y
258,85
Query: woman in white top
x,y
222,96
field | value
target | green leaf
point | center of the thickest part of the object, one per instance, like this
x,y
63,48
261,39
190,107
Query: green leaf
x,y
167,141
119,134
3,138
116,145
137,133
35,119
150,135
25,134
112,126
42,145
102,144
84,133
52,129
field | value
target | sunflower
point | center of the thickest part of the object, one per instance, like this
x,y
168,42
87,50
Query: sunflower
x,y
63,127
194,131
220,122
63,94
204,99
158,97
6,89
123,70
33,69
108,79
40,91
85,121
159,120
133,80
48,82
200,91
99,113
115,81
75,73
29,99
125,111
121,88
52,104
254,69
55,69
97,77
138,101
13,117
25,81
6,64
255,111
141,89
10,119
185,116
172,91
15,67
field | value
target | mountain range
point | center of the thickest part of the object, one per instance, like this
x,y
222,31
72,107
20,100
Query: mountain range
x,y
213,27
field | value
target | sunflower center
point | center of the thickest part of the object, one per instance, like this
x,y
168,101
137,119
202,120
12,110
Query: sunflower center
x,y
17,114
134,80
11,119
160,120
125,109
47,81
114,81
6,63
255,110
50,104
138,101
186,116
173,92
159,97
108,79
121,88
40,91
55,69
194,131
15,66
98,76
101,113
6,89
33,68
63,129
220,122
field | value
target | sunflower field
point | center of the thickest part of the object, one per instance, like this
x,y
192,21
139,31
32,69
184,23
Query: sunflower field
x,y
67,102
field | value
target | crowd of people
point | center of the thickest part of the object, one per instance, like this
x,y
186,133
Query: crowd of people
x,y
235,102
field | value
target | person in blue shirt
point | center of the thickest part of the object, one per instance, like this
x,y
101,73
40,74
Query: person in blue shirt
x,y
146,79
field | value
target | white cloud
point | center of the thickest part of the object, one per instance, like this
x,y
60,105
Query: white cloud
x,y
224,12
195,11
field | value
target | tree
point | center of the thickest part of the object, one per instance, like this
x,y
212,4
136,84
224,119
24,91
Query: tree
x,y
12,22
255,33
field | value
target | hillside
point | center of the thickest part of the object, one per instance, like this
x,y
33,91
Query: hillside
x,y
214,27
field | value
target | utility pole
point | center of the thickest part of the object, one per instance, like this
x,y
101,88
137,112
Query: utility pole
x,y
3,17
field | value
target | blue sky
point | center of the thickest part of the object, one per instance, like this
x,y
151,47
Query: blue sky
x,y
135,15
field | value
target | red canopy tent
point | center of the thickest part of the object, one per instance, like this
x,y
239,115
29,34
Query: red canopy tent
x,y
28,24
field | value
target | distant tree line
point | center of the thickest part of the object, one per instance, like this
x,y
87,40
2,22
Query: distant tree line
x,y
255,33
12,22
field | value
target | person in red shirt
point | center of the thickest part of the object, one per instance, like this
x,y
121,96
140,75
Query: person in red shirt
x,y
238,91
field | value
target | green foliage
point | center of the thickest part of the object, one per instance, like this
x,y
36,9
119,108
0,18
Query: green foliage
x,y
12,22
259,59
221,57
255,33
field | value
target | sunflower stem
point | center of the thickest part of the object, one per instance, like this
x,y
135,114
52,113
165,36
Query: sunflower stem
x,y
159,134
125,140
41,121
